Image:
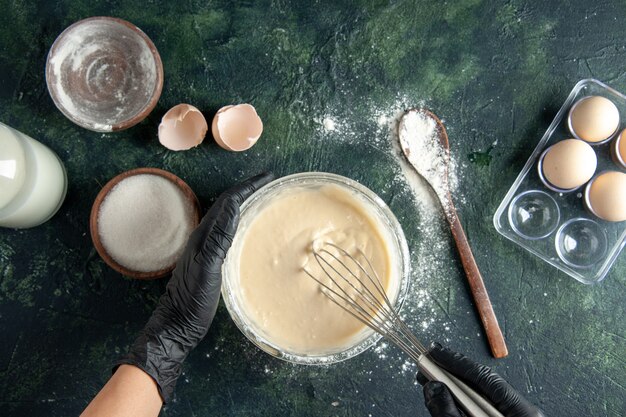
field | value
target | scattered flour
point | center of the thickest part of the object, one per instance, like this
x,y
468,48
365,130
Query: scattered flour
x,y
426,317
430,255
418,135
329,124
102,127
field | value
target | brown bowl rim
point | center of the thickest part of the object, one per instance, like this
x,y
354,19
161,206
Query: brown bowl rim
x,y
95,209
156,93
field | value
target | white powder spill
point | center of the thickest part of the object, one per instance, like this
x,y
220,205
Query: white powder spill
x,y
102,127
418,135
426,316
144,222
329,124
427,307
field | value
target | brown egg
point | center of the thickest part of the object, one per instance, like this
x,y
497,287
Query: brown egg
x,y
619,149
182,127
605,196
594,119
569,164
237,128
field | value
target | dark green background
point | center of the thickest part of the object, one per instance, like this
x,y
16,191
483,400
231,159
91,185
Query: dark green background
x,y
494,70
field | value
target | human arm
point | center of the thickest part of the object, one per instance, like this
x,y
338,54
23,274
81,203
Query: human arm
x,y
146,376
129,392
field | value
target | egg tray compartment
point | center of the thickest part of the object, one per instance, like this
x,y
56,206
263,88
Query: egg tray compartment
x,y
578,243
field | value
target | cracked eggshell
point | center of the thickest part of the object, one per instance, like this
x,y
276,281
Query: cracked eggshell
x,y
237,128
182,127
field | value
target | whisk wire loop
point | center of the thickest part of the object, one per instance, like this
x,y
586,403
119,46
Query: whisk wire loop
x,y
356,287
391,314
368,303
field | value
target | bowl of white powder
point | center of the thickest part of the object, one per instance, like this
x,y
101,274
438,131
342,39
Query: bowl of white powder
x,y
104,74
141,220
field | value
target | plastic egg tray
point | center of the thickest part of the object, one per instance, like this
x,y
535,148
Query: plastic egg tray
x,y
556,226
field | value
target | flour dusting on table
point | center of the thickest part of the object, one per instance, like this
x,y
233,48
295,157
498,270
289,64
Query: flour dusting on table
x,y
426,316
430,252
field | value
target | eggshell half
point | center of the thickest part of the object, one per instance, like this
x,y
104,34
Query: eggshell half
x,y
237,128
594,119
569,164
182,127
606,196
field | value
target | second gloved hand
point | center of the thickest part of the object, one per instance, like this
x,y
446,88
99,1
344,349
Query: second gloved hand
x,y
480,378
186,309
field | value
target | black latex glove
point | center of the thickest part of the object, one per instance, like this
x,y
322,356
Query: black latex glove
x,y
186,309
480,378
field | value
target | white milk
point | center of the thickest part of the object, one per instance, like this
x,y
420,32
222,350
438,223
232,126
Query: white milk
x,y
33,182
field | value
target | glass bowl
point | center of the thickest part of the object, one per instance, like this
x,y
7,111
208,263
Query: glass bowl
x,y
391,232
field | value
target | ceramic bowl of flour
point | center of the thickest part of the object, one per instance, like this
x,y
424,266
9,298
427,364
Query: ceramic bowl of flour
x,y
141,220
274,304
104,74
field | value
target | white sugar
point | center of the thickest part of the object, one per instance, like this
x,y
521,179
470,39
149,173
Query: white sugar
x,y
144,222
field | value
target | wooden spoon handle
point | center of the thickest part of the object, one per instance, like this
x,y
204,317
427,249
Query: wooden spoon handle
x,y
477,286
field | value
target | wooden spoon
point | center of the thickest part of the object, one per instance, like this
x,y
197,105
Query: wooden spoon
x,y
439,177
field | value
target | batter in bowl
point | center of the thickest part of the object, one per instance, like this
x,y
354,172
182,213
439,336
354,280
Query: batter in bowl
x,y
277,295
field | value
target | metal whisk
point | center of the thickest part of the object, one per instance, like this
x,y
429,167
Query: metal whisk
x,y
354,285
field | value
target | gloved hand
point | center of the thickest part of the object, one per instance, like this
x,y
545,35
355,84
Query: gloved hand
x,y
186,309
480,378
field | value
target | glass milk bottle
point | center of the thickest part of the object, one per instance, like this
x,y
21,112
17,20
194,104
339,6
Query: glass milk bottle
x,y
33,181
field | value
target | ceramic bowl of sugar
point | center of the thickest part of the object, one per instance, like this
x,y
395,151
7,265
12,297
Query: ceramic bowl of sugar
x,y
104,74
141,220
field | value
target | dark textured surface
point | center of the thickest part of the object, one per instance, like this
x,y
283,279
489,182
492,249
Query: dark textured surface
x,y
494,70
